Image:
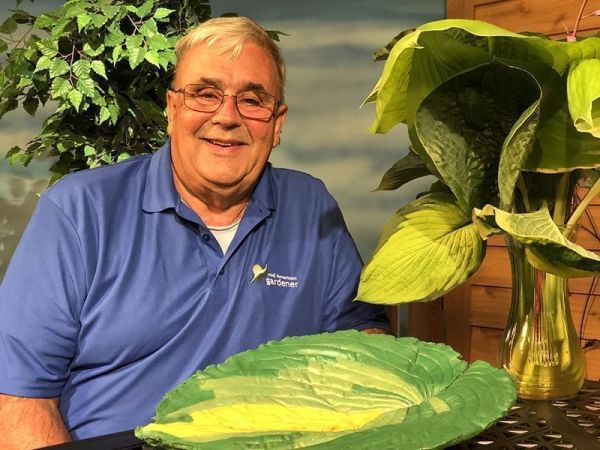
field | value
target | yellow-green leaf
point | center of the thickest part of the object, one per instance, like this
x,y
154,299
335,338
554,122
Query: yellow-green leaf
x,y
583,91
333,391
428,248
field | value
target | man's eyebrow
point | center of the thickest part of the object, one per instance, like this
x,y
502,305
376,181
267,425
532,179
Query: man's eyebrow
x,y
210,81
250,86
253,87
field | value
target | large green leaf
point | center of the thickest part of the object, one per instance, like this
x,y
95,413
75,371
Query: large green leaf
x,y
392,90
559,147
583,92
407,169
473,118
332,391
426,249
546,247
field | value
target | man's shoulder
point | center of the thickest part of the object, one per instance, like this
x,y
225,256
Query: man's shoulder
x,y
101,181
294,178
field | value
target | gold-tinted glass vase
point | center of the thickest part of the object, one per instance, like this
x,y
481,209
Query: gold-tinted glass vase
x,y
540,346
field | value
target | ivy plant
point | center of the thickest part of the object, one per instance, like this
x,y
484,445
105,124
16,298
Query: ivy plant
x,y
103,67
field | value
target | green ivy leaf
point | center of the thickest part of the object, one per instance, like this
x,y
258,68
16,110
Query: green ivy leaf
x,y
82,21
115,37
24,82
88,150
161,13
86,86
104,115
3,46
146,7
114,113
8,26
48,47
58,67
149,29
116,53
158,42
99,68
43,22
167,58
153,58
81,68
75,97
21,16
43,63
31,105
123,156
99,20
90,51
133,42
136,56
60,87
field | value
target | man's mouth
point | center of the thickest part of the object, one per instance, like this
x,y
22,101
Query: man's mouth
x,y
224,143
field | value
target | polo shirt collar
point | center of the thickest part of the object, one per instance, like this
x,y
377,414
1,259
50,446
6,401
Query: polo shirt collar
x,y
160,193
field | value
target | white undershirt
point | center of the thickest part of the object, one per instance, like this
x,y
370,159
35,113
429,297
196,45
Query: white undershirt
x,y
224,235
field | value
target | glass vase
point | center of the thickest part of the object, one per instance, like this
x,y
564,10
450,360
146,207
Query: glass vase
x,y
540,346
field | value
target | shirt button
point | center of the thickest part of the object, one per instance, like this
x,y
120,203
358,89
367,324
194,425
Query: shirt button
x,y
221,272
206,237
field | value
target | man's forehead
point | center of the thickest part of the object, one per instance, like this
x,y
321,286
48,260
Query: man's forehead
x,y
209,64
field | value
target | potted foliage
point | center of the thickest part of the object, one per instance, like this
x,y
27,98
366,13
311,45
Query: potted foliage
x,y
510,125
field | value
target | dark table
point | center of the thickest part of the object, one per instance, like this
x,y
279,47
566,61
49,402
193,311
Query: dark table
x,y
531,424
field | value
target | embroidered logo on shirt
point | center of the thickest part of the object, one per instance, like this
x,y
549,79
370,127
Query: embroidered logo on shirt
x,y
273,279
286,281
258,272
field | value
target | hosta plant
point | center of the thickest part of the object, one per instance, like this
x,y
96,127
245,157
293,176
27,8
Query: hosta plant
x,y
510,125
332,391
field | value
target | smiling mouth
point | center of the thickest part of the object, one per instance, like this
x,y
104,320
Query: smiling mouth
x,y
224,144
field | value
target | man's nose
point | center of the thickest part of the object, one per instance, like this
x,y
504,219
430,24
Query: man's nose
x,y
228,113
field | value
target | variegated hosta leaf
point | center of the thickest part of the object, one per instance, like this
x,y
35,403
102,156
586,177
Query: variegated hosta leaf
x,y
426,249
545,246
407,169
478,126
559,147
331,391
391,91
583,91
436,51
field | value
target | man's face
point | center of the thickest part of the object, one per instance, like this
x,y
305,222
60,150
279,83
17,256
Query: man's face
x,y
222,151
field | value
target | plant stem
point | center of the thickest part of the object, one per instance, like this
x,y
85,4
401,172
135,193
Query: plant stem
x,y
562,199
585,201
524,193
574,34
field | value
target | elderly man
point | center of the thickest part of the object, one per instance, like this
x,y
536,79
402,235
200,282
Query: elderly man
x,y
131,277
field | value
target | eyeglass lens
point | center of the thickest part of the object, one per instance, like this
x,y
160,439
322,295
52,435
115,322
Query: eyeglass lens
x,y
251,104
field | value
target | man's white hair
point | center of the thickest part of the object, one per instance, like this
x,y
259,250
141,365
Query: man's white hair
x,y
228,35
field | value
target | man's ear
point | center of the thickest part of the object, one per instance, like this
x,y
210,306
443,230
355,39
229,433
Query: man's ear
x,y
279,121
171,109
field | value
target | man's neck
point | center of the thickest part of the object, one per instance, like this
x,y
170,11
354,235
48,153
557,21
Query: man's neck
x,y
217,208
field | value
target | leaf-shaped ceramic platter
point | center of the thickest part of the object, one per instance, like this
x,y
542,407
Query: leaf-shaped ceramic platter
x,y
345,390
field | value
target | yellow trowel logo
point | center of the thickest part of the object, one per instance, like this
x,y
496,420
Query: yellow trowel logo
x,y
258,272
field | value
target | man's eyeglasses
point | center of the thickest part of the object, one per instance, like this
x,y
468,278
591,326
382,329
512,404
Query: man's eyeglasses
x,y
258,105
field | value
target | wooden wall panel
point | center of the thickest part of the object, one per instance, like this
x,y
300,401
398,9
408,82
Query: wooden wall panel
x,y
551,17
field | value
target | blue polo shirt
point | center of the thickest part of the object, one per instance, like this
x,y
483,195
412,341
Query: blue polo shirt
x,y
117,291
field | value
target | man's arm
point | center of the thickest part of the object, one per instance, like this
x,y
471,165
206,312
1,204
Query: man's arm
x,y
376,331
27,423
